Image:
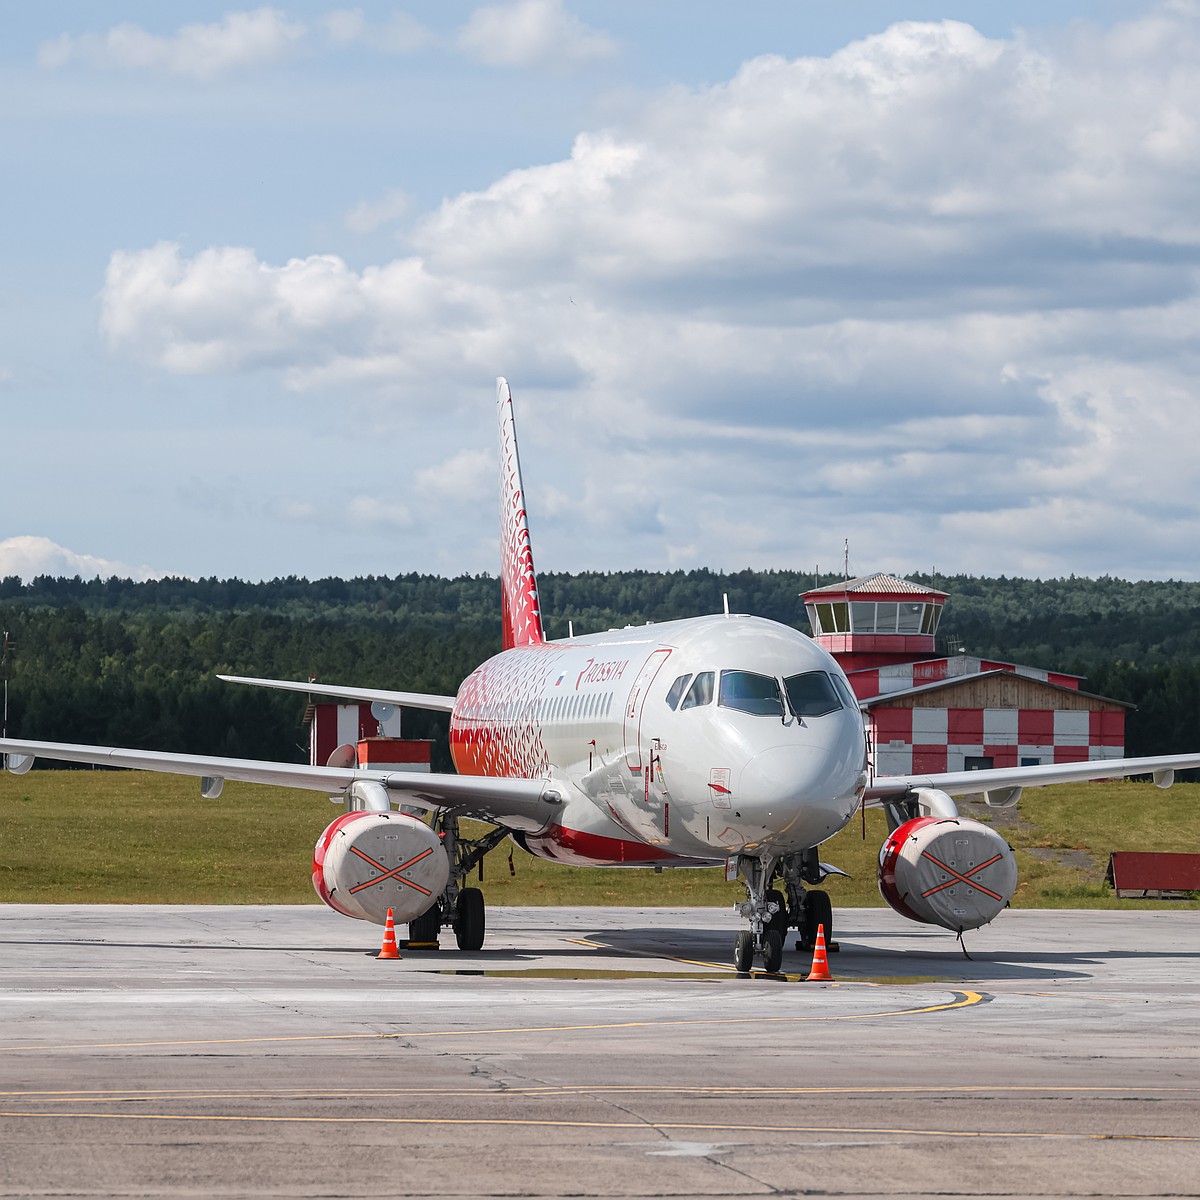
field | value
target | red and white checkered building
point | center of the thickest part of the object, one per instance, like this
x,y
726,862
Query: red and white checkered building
x,y
951,713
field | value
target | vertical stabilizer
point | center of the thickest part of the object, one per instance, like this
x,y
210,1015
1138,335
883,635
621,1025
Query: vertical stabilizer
x,y
521,610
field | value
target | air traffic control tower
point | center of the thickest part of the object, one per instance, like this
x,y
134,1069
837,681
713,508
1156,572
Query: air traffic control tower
x,y
875,620
951,712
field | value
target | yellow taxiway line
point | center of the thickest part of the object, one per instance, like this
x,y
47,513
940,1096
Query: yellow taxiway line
x,y
966,999
640,1126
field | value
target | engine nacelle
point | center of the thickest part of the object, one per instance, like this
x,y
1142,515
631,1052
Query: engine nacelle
x,y
952,872
367,862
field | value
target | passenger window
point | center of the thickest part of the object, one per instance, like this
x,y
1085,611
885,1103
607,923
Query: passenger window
x,y
677,690
750,693
812,694
701,691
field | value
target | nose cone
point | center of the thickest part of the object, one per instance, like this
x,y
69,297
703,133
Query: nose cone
x,y
803,792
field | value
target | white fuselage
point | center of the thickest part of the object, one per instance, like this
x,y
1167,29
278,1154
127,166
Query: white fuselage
x,y
683,740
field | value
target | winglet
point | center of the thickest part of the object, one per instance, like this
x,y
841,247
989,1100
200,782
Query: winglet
x,y
521,610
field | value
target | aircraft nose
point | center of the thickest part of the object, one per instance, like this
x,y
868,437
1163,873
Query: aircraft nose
x,y
782,783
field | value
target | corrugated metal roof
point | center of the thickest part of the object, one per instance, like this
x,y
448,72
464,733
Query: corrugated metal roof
x,y
884,698
880,583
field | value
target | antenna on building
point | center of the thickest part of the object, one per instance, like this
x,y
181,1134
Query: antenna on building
x,y
570,631
725,598
846,560
6,666
383,713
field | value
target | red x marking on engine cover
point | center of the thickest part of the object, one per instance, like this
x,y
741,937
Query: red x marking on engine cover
x,y
394,873
957,878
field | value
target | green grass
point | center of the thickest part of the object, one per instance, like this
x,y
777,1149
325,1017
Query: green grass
x,y
133,837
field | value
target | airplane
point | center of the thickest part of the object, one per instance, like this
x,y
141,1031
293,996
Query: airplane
x,y
722,740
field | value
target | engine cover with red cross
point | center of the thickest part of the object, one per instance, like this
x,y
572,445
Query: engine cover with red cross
x,y
367,862
952,872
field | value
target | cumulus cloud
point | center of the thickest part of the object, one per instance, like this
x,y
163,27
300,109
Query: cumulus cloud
x,y
202,51
369,215
371,510
397,34
466,477
177,312
29,556
935,291
532,33
223,310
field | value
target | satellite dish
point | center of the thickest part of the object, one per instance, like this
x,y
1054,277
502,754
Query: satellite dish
x,y
382,712
344,756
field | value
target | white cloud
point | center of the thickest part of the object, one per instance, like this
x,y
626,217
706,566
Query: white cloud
x,y
297,510
398,34
371,510
369,215
202,51
532,33
345,26
29,556
883,294
179,312
465,478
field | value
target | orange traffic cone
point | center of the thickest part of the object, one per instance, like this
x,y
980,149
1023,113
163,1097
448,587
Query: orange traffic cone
x,y
389,949
819,972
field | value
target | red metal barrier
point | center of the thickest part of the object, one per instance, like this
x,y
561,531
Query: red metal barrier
x,y
1138,875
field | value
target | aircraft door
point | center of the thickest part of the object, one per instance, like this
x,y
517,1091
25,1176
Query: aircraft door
x,y
633,708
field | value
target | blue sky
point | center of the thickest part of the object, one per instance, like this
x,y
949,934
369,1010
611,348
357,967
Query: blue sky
x,y
762,277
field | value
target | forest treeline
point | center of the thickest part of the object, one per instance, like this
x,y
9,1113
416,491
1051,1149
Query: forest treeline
x,y
121,662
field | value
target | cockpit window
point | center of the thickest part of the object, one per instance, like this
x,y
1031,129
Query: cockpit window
x,y
701,691
677,690
849,699
812,694
750,693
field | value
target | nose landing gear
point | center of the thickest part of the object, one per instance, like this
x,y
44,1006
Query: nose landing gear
x,y
767,915
771,916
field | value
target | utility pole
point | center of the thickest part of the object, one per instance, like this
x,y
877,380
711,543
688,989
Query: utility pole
x,y
6,666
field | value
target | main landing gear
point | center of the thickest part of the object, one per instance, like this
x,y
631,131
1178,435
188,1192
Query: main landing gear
x,y
461,908
771,912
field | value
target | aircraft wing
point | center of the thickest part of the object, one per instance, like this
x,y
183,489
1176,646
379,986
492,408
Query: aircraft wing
x,y
1002,779
517,802
411,699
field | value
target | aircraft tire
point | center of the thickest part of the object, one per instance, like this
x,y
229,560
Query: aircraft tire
x,y
427,926
817,911
779,921
772,951
743,952
470,923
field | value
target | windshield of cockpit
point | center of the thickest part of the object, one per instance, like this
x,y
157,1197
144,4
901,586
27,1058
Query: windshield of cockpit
x,y
810,694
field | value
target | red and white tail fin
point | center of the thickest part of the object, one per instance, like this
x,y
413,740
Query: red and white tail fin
x,y
521,610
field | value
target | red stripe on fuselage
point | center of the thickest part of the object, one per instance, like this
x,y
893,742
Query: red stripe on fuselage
x,y
594,849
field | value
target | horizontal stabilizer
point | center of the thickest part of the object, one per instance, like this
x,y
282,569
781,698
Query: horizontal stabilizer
x,y
366,695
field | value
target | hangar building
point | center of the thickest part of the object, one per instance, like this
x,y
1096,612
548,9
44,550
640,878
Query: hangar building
x,y
951,712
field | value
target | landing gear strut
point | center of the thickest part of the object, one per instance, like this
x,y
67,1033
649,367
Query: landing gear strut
x,y
808,907
461,908
764,910
771,915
